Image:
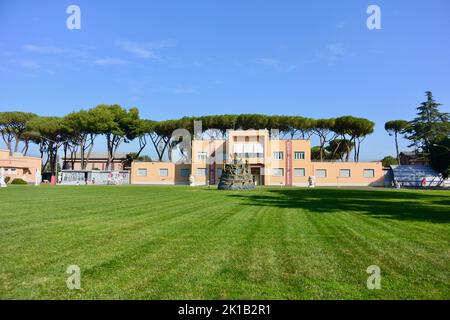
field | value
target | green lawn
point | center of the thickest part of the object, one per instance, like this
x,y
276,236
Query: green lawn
x,y
138,242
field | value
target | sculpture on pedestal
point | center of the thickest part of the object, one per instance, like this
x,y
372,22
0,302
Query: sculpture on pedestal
x,y
236,176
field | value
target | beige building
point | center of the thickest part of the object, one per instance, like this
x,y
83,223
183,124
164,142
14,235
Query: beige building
x,y
160,173
97,161
18,166
272,162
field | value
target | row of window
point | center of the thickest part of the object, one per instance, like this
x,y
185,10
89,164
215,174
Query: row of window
x,y
277,172
277,155
143,172
10,171
298,155
200,172
249,155
322,173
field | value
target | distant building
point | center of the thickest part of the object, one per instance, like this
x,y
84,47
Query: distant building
x,y
272,162
408,158
97,161
19,166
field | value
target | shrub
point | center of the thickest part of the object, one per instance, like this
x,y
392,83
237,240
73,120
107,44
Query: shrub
x,y
389,161
7,179
18,181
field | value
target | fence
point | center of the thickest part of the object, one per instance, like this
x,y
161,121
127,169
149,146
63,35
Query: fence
x,y
94,177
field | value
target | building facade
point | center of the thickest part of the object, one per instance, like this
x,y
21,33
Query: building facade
x,y
272,161
20,167
411,158
97,161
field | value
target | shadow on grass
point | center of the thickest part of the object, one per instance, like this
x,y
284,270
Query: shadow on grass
x,y
404,205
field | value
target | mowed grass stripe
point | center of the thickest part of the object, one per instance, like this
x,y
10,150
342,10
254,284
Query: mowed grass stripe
x,y
170,275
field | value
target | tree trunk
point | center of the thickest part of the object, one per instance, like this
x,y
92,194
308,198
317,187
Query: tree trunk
x,y
322,144
349,150
51,158
73,155
156,141
91,145
66,146
335,150
7,139
142,145
16,145
82,148
396,148
84,145
110,151
357,151
42,150
25,147
113,144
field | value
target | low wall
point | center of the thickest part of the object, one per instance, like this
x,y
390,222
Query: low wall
x,y
94,177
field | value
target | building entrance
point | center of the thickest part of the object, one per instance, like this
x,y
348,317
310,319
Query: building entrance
x,y
257,176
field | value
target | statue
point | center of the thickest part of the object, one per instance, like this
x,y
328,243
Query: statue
x,y
191,180
312,182
38,178
236,176
2,178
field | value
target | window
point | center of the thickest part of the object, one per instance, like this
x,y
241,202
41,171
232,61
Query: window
x,y
299,155
278,155
369,173
278,172
219,172
185,172
11,171
163,172
142,172
249,155
201,172
202,156
344,173
321,173
299,172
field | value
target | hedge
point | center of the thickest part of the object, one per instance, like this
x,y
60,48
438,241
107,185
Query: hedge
x,y
18,181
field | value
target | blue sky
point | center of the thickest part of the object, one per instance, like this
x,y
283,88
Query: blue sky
x,y
176,58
